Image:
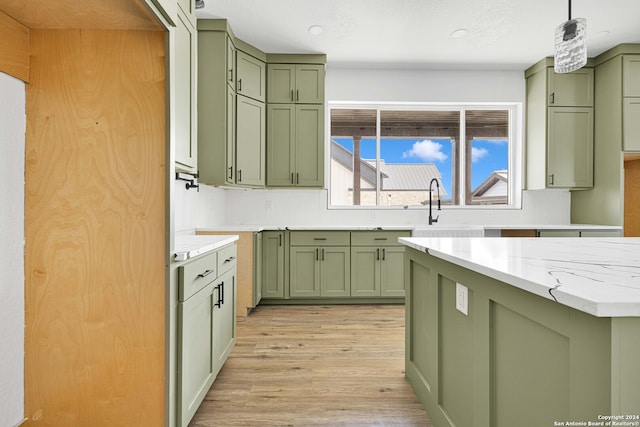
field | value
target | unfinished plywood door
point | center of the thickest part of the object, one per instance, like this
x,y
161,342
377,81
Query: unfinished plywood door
x,y
94,226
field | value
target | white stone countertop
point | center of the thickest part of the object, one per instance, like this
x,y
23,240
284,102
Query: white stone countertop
x,y
599,276
189,246
256,227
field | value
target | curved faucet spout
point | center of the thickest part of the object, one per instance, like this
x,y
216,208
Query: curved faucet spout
x,y
431,218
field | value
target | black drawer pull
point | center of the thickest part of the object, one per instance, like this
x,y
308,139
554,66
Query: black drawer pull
x,y
319,238
380,238
206,273
229,259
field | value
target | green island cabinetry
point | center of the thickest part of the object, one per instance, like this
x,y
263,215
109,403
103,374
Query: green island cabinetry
x,y
332,266
377,264
206,325
515,358
185,51
559,127
295,121
231,108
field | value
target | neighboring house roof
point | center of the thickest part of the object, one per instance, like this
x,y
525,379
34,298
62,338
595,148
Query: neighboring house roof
x,y
495,185
395,176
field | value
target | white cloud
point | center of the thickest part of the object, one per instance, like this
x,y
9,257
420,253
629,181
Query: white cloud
x,y
426,150
478,154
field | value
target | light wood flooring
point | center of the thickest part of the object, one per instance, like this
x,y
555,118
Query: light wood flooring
x,y
315,366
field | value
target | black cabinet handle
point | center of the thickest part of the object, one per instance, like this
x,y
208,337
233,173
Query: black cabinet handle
x,y
205,273
323,254
239,85
230,172
231,74
292,95
553,97
229,259
317,250
297,178
319,238
239,175
378,254
217,303
279,239
551,179
384,254
292,178
222,293
297,95
380,238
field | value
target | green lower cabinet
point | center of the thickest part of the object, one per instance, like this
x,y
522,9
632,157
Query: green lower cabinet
x,y
224,318
377,271
273,271
320,271
516,359
196,361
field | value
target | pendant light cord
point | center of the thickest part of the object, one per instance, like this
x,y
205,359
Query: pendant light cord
x,y
569,10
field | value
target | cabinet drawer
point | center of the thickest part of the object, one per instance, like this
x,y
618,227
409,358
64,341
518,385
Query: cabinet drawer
x,y
377,238
196,274
227,258
320,238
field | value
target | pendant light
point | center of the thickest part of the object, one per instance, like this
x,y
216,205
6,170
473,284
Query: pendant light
x,y
571,45
199,4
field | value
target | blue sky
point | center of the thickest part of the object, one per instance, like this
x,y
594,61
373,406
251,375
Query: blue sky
x,y
487,155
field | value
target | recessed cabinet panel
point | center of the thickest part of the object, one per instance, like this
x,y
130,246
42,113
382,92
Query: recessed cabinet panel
x,y
251,76
573,89
281,128
185,83
631,124
570,147
309,147
281,86
631,75
309,84
250,141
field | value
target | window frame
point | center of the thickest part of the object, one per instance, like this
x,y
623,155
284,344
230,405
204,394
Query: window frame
x,y
515,157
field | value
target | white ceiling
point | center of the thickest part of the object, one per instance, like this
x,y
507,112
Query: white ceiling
x,y
502,34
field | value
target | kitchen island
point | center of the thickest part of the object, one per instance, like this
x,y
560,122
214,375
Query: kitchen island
x,y
524,331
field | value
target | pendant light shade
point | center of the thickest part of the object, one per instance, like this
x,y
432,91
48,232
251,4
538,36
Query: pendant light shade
x,y
571,45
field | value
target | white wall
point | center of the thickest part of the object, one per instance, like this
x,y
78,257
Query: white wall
x,y
12,140
193,209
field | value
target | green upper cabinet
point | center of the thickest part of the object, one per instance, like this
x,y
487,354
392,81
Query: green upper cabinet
x,y
231,116
251,80
631,103
295,150
185,50
571,89
570,147
250,142
559,127
295,83
631,76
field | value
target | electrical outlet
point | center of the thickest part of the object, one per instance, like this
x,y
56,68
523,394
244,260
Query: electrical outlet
x,y
462,299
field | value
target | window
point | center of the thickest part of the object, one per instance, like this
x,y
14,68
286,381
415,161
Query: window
x,y
395,156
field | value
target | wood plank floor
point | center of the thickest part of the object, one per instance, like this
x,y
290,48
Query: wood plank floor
x,y
315,366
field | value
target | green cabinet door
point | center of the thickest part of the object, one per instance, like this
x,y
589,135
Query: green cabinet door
x,y
309,84
257,271
573,89
295,83
273,274
251,76
309,146
335,265
224,318
295,145
570,147
281,83
250,142
304,271
631,124
230,151
281,128
365,271
184,95
319,271
631,76
195,352
231,73
377,271
392,271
